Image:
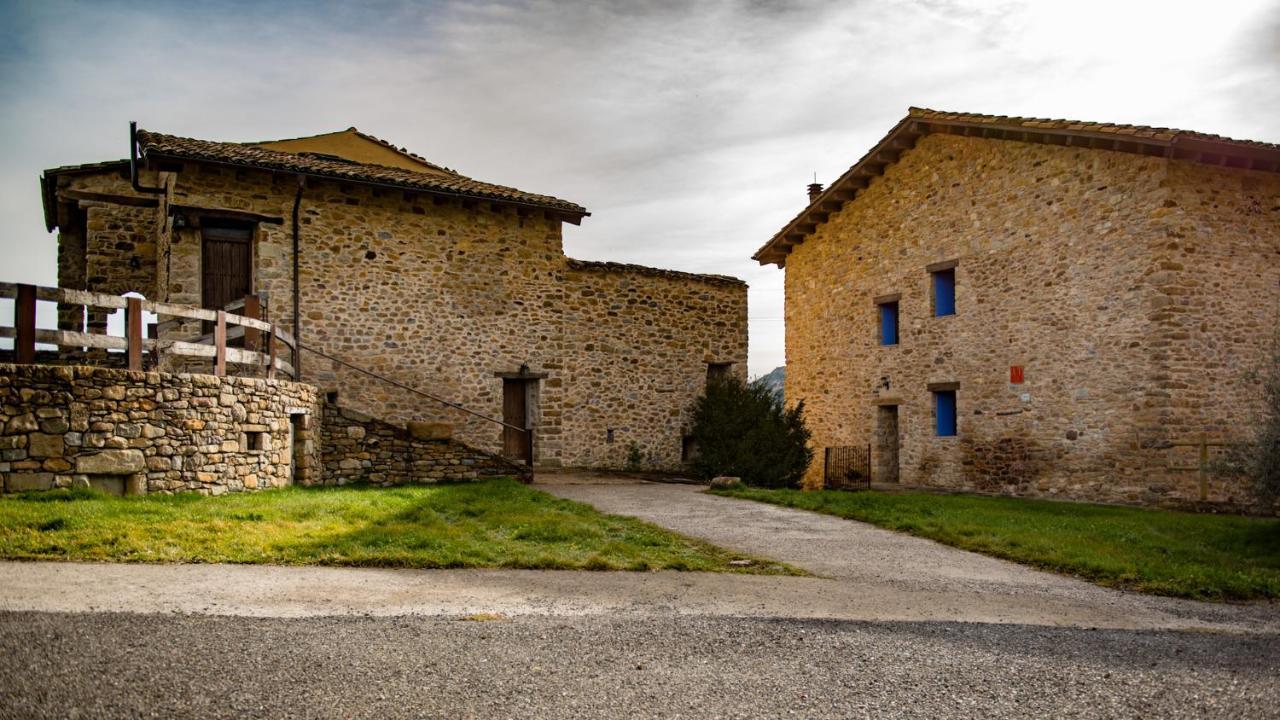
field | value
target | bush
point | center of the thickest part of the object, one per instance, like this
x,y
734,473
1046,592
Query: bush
x,y
1259,457
743,430
1262,457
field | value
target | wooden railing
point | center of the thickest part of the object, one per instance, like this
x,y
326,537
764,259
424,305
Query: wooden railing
x,y
225,325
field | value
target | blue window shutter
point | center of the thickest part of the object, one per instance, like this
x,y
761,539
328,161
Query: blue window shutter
x,y
944,406
944,293
889,323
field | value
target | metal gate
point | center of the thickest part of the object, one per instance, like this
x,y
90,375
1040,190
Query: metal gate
x,y
847,467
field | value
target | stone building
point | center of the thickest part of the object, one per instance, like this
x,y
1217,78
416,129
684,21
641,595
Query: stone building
x,y
1036,307
388,267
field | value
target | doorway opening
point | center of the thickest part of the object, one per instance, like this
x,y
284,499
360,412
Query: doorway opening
x,y
888,443
297,446
516,444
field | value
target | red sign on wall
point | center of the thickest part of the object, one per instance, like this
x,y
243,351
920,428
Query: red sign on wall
x,y
1015,374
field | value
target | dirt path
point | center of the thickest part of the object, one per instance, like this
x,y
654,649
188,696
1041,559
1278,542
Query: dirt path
x,y
888,569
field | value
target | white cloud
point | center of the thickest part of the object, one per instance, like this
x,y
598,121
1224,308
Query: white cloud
x,y
689,130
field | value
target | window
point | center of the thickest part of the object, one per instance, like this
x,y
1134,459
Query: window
x,y
717,371
253,441
944,292
888,323
944,413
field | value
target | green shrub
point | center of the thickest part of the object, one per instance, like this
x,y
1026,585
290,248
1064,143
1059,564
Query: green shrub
x,y
635,458
1261,458
744,430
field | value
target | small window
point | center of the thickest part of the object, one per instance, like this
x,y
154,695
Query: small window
x,y
944,292
717,371
253,441
888,323
944,413
688,448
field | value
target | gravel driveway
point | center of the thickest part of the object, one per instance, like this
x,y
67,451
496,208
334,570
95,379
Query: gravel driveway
x,y
892,569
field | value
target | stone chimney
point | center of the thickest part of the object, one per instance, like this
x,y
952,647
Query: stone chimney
x,y
815,189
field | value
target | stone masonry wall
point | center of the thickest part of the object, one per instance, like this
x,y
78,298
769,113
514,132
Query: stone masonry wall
x,y
436,293
444,294
1067,262
637,349
134,432
359,448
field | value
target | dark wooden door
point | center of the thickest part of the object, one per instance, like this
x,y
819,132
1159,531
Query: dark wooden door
x,y
515,443
227,264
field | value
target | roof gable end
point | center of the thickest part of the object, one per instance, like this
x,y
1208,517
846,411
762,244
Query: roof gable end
x,y
1140,139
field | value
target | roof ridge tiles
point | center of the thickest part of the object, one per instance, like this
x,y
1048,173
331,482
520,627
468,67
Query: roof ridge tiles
x,y
248,155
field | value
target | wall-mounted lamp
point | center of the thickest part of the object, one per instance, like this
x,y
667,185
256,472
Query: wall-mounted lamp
x,y
179,221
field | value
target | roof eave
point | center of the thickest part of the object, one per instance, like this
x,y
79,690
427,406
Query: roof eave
x,y
1146,141
570,215
49,186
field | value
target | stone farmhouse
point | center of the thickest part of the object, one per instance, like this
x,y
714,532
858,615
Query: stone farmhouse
x,y
400,281
1036,307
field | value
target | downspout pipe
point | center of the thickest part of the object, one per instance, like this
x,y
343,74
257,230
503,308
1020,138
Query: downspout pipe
x,y
133,163
297,290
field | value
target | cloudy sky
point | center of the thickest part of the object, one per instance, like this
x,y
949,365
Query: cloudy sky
x,y
689,129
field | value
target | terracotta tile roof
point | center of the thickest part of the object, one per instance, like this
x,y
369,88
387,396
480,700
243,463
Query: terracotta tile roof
x,y
1140,139
1116,129
591,265
156,145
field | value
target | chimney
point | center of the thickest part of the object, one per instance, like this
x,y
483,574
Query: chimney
x,y
815,189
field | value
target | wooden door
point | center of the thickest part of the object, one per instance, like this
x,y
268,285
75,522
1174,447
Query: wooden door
x,y
515,443
226,262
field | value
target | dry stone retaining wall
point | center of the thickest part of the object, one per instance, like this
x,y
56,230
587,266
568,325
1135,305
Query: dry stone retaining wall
x,y
135,432
359,448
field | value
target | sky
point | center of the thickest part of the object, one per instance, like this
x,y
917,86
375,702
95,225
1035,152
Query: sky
x,y
688,129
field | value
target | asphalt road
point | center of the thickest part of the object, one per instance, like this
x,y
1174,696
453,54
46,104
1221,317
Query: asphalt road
x,y
55,665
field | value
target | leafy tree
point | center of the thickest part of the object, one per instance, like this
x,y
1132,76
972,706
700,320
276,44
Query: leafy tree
x,y
744,430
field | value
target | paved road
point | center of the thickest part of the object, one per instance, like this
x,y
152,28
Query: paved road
x,y
895,570
134,665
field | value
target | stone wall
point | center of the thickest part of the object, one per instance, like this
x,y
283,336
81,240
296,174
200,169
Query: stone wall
x,y
357,448
638,343
1100,273
135,432
446,294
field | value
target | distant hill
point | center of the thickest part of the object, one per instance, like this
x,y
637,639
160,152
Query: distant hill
x,y
773,380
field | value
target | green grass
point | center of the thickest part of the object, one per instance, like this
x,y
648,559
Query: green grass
x,y
1208,557
491,524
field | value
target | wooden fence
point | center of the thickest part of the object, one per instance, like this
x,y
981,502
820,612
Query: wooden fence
x,y
225,326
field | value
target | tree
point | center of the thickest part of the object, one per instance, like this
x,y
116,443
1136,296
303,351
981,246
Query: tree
x,y
744,430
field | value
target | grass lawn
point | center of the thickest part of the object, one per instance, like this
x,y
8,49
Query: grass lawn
x,y
1209,557
490,524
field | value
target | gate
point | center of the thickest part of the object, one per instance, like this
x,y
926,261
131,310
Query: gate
x,y
846,468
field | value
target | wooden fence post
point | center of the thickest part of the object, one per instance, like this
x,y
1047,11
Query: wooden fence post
x,y
271,353
252,336
24,320
133,331
220,344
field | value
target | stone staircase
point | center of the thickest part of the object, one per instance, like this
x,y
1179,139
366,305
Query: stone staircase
x,y
358,448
